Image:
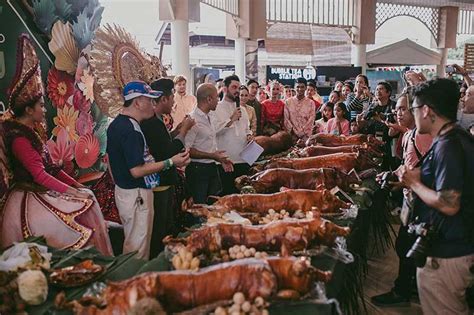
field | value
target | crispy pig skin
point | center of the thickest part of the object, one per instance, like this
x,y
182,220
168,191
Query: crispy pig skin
x,y
285,236
271,180
289,200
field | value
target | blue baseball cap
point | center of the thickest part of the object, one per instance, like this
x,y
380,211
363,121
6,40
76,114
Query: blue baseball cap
x,y
135,89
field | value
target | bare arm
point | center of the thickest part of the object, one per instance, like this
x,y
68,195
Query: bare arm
x,y
196,154
447,202
146,169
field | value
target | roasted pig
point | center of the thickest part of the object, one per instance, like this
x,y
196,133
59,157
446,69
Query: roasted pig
x,y
272,180
330,140
290,200
318,150
285,236
181,290
344,162
277,143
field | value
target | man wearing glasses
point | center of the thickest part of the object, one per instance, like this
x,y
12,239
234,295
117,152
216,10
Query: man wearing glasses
x,y
445,199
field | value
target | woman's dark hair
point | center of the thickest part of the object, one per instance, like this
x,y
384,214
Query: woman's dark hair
x,y
365,78
350,85
330,105
441,95
342,106
243,87
19,111
337,93
386,86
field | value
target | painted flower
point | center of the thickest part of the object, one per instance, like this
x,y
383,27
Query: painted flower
x,y
87,151
79,101
66,119
62,151
87,85
84,124
60,87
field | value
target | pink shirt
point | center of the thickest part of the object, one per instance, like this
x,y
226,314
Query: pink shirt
x,y
33,163
299,116
423,144
183,105
332,127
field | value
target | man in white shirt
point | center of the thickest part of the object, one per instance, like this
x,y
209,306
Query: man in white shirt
x,y
202,175
233,133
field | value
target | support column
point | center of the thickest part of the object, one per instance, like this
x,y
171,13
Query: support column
x,y
180,48
441,68
359,56
240,58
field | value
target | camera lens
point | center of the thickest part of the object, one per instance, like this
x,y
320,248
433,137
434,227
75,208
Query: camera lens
x,y
418,251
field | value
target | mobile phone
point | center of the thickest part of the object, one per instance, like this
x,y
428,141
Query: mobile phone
x,y
450,69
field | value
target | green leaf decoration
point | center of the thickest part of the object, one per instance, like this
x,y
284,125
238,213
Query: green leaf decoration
x,y
83,29
44,15
63,10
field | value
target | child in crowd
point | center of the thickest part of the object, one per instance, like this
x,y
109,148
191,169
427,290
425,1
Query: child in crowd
x,y
354,126
339,125
320,125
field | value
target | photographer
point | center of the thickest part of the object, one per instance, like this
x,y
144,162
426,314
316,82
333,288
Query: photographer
x,y
414,147
444,253
372,121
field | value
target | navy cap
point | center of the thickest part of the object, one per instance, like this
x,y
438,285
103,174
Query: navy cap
x,y
135,89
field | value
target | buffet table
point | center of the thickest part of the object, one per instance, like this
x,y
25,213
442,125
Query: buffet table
x,y
344,292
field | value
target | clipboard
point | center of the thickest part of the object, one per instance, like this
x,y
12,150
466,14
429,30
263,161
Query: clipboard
x,y
251,152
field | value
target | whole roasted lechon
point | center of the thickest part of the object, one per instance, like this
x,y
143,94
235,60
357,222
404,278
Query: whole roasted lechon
x,y
290,200
285,236
318,150
344,162
272,180
330,140
181,290
277,143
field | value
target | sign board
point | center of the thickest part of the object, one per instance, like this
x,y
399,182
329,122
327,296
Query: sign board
x,y
469,57
288,75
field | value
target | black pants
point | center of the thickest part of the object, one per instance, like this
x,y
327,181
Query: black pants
x,y
164,219
406,279
203,181
228,185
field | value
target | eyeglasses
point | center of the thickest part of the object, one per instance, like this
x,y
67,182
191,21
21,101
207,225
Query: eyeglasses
x,y
412,109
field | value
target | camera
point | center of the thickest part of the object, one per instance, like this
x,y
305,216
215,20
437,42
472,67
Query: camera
x,y
390,117
420,249
387,177
450,69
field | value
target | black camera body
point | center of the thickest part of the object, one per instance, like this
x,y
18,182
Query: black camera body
x,y
390,117
427,234
387,177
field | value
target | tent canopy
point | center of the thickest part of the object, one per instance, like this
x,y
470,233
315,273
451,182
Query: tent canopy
x,y
404,52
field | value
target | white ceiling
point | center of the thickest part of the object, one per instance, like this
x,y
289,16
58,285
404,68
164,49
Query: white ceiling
x,y
463,4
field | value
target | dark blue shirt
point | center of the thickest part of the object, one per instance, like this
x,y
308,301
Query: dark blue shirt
x,y
127,149
448,165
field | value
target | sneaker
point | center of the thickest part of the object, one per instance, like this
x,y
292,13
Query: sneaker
x,y
390,299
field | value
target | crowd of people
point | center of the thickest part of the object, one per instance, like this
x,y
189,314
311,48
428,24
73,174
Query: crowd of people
x,y
166,145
